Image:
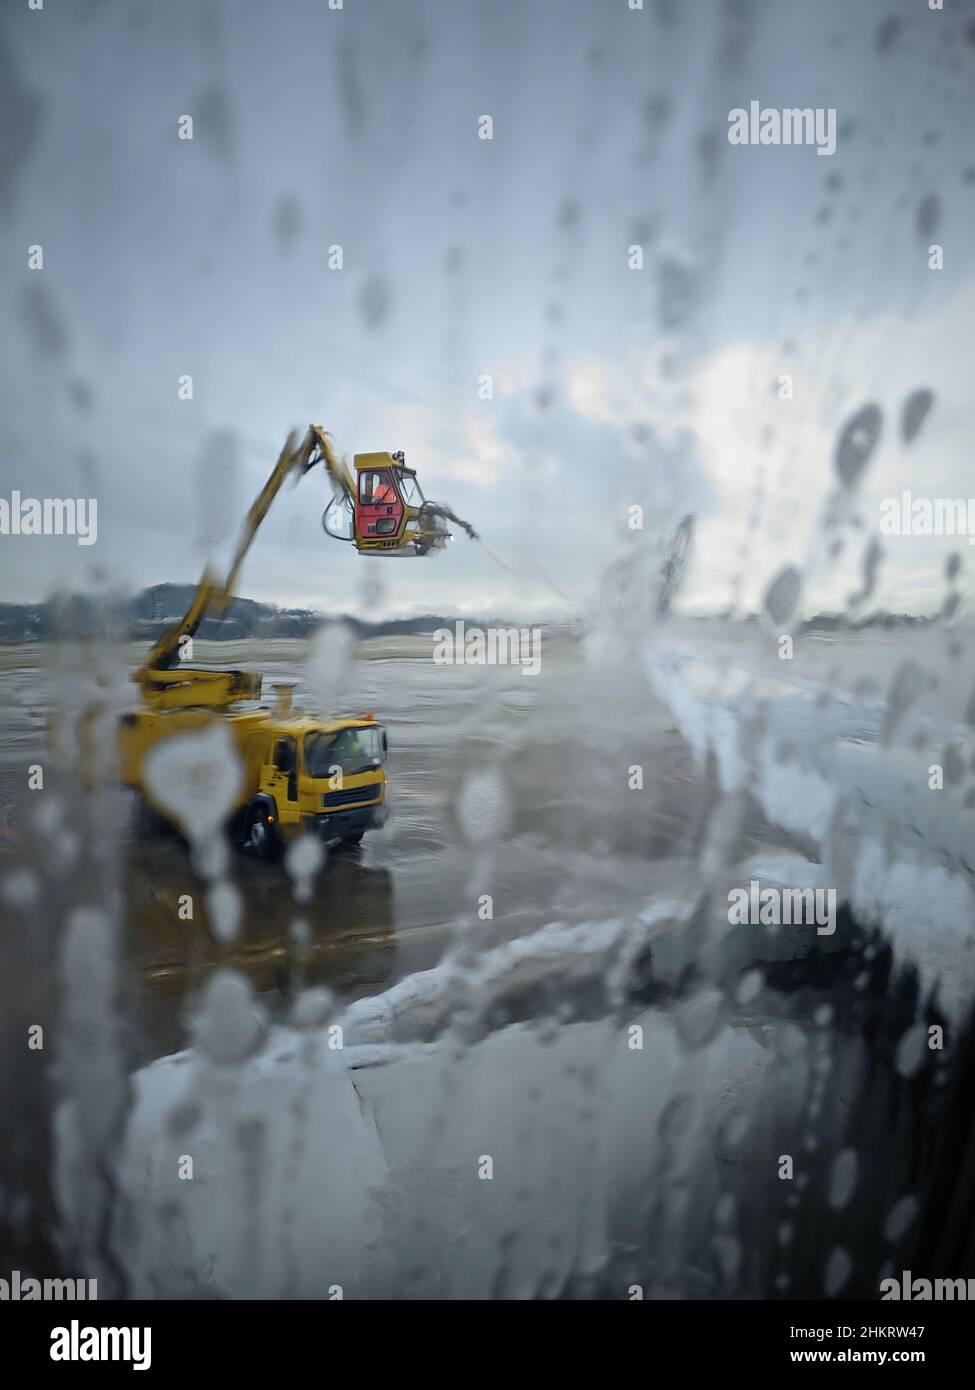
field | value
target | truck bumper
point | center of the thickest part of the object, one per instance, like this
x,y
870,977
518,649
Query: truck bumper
x,y
336,825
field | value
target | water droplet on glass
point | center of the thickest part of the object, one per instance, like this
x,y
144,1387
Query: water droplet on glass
x,y
899,1218
699,1019
838,1270
842,1178
790,1043
313,1008
20,888
224,911
905,687
374,300
330,650
676,1117
482,807
954,765
914,413
857,442
230,1024
183,1118
782,595
911,1050
749,986
928,215
195,778
303,860
724,1212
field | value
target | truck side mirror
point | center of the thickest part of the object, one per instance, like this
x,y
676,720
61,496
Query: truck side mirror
x,y
284,757
385,743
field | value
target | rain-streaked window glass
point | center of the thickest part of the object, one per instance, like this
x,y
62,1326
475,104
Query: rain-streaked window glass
x,y
607,931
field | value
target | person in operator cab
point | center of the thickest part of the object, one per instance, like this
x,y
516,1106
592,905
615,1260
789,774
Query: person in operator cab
x,y
383,491
351,747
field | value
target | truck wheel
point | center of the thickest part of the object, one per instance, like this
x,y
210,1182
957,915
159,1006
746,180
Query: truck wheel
x,y
353,840
262,838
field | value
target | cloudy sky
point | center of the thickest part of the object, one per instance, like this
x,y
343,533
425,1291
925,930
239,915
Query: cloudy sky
x,y
464,258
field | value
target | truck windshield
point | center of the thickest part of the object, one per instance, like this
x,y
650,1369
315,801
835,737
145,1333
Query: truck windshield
x,y
353,750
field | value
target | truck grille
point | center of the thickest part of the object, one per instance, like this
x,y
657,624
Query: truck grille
x,y
352,796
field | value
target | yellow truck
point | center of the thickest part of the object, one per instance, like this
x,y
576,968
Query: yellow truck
x,y
300,773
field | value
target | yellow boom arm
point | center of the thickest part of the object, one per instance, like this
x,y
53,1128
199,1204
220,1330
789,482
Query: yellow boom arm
x,y
167,687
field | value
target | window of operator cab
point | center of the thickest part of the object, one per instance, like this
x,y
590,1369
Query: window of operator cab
x,y
410,489
376,487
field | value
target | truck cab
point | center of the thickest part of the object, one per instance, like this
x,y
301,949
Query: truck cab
x,y
327,779
299,773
